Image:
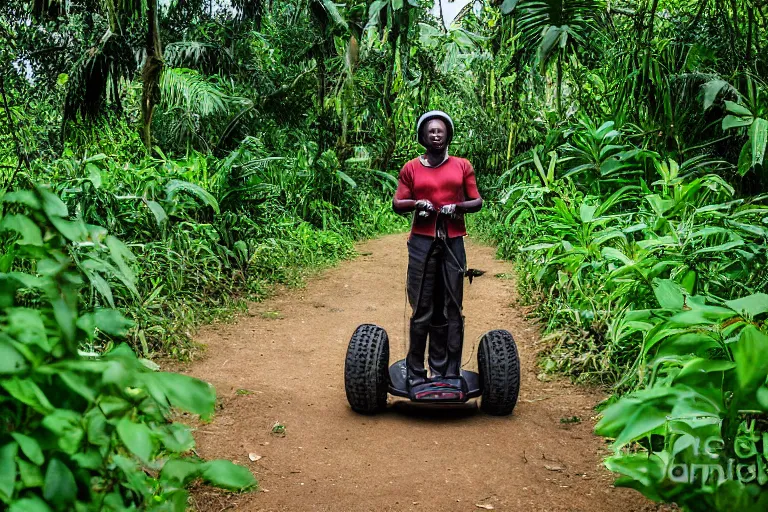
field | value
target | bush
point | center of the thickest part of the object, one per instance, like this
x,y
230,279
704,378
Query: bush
x,y
79,431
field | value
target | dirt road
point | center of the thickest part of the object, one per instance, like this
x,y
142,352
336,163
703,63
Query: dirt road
x,y
284,363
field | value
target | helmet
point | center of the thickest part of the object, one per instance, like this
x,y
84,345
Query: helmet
x,y
434,114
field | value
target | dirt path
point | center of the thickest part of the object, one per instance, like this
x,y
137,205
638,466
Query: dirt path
x,y
284,363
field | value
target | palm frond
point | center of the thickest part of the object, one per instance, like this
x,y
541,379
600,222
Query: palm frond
x,y
96,75
193,92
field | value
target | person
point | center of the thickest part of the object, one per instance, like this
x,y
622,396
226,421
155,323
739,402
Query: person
x,y
440,189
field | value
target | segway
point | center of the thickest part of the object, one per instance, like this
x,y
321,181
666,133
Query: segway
x,y
368,377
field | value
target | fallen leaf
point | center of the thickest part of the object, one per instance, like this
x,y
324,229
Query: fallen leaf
x,y
254,457
486,506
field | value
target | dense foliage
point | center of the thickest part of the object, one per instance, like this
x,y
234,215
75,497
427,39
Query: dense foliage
x,y
620,147
638,223
82,431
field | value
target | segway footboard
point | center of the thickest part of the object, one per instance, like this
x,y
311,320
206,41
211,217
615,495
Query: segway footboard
x,y
447,390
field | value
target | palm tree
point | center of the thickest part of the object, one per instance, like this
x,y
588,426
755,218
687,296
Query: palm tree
x,y
555,28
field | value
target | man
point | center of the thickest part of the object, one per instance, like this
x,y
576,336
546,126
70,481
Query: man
x,y
441,189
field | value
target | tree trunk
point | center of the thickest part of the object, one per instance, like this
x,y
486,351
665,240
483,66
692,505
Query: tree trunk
x,y
750,30
22,155
559,91
153,69
387,101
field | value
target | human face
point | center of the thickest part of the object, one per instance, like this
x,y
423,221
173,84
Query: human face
x,y
436,136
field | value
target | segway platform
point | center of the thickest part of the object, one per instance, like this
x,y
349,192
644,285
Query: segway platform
x,y
447,390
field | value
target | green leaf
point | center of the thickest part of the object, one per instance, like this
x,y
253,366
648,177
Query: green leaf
x,y
333,12
111,321
700,365
91,459
730,122
720,248
735,108
758,134
748,351
66,425
26,326
615,254
184,392
587,212
508,6
96,428
33,504
177,438
711,90
94,174
27,392
180,471
745,158
30,448
227,475
25,197
30,474
60,487
344,176
121,255
669,294
750,306
644,422
137,437
11,361
158,211
78,384
53,206
28,231
7,471
174,186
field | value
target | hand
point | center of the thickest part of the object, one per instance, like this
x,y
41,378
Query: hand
x,y
424,207
449,210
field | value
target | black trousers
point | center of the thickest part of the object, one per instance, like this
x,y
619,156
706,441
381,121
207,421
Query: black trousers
x,y
435,292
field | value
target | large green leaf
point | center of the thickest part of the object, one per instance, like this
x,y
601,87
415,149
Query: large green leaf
x,y
180,471
66,425
751,306
730,122
699,366
758,134
508,6
748,353
29,393
137,437
669,294
333,12
735,108
184,392
645,420
174,186
7,471
28,231
227,475
11,361
30,447
33,504
60,487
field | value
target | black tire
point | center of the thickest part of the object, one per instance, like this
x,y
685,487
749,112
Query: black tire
x,y
366,372
499,366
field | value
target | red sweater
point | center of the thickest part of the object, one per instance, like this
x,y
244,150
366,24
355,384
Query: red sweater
x,y
450,183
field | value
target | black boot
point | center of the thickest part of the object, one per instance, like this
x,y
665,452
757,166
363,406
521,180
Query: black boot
x,y
438,350
414,361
